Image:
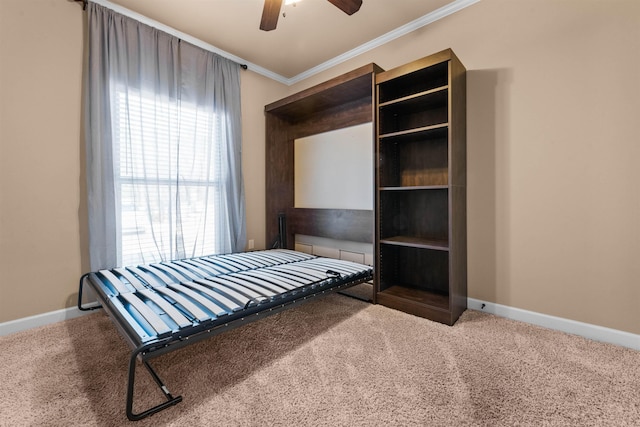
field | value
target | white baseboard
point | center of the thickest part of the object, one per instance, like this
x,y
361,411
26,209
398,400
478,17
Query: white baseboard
x,y
594,332
25,323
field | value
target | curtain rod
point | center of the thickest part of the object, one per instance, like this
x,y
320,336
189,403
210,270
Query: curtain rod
x,y
84,7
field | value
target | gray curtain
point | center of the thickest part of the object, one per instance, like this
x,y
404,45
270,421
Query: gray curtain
x,y
163,143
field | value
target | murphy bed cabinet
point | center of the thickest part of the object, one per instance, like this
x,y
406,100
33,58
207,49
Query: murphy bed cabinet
x,y
420,212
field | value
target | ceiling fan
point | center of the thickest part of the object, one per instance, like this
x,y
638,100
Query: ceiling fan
x,y
271,11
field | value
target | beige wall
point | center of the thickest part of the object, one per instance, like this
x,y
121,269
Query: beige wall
x,y
40,87
553,199
257,91
553,151
43,238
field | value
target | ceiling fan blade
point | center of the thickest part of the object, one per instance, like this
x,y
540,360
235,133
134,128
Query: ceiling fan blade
x,y
270,14
347,6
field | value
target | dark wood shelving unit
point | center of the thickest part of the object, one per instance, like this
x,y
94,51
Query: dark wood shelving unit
x,y
420,209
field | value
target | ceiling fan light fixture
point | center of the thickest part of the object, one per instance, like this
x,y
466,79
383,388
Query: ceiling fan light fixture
x,y
271,10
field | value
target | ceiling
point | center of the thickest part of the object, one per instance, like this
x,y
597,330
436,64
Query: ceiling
x,y
309,34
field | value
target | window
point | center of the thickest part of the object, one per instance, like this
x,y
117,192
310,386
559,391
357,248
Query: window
x,y
163,134
167,177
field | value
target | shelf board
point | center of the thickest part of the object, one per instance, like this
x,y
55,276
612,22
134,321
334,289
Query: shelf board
x,y
416,242
415,187
437,59
335,93
414,96
415,131
424,297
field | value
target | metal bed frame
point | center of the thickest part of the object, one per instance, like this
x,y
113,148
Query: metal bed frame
x,y
159,308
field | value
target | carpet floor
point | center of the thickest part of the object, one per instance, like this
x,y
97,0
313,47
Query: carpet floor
x,y
336,361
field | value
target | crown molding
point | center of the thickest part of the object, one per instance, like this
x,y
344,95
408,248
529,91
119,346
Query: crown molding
x,y
427,19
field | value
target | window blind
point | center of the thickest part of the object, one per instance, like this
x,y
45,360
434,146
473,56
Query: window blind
x,y
167,177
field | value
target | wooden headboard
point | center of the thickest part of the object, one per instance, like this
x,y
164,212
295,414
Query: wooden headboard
x,y
341,102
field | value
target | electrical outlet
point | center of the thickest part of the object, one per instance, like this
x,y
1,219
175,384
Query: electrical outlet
x,y
252,244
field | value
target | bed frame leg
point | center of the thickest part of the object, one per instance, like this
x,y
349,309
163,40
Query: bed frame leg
x,y
132,371
80,286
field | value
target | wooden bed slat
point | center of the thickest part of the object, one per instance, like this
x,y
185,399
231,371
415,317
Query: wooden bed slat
x,y
168,308
276,288
259,291
210,305
185,266
151,279
250,293
259,261
115,282
203,266
219,262
216,296
239,262
195,311
241,299
300,271
172,273
284,281
149,315
184,271
217,268
160,274
131,321
130,278
301,279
